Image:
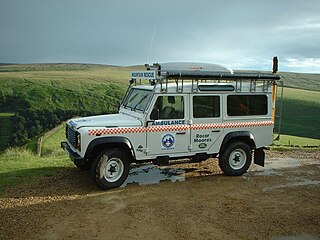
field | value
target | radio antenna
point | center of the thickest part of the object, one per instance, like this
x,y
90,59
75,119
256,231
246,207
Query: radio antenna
x,y
151,44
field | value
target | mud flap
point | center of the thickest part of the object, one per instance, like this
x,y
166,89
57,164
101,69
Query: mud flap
x,y
259,156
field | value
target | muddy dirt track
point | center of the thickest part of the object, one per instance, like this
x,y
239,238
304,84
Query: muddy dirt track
x,y
280,201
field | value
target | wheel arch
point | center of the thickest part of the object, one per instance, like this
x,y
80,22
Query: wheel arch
x,y
244,136
99,144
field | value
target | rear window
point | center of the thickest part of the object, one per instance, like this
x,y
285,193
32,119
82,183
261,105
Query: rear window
x,y
206,106
247,105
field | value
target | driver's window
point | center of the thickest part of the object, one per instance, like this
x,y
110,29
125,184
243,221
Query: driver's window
x,y
168,107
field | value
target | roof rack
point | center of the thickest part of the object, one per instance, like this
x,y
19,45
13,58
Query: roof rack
x,y
179,73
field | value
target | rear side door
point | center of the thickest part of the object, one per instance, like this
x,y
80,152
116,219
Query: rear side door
x,y
206,125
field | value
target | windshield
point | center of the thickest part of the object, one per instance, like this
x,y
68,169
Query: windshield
x,y
137,99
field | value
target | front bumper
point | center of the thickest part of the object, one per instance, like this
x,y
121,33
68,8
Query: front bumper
x,y
73,155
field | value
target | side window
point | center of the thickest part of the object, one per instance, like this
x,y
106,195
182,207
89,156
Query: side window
x,y
206,106
246,105
168,107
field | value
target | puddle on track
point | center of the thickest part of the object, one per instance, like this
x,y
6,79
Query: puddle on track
x,y
299,183
274,164
152,174
271,169
147,174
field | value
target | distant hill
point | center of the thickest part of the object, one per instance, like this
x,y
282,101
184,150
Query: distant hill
x,y
307,81
86,87
42,95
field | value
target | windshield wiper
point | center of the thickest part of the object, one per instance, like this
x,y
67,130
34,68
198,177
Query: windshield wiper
x,y
130,99
141,100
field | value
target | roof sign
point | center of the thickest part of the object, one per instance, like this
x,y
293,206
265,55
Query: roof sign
x,y
143,75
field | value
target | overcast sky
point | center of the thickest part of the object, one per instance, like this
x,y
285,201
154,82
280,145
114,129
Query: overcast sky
x,y
238,34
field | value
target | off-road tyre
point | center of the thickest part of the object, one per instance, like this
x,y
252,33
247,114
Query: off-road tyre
x,y
110,168
235,158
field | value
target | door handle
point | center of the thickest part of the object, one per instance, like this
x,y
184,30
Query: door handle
x,y
181,133
147,123
215,131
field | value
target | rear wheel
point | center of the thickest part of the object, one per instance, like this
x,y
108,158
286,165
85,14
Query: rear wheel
x,y
235,159
110,168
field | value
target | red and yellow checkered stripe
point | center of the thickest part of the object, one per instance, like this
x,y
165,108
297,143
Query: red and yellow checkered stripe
x,y
173,128
168,128
108,131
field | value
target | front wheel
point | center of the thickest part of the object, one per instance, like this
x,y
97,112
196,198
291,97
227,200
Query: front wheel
x,y
235,159
110,168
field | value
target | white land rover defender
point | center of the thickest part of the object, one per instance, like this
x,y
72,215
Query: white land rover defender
x,y
184,110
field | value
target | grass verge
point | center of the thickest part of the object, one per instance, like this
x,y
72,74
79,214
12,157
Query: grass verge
x,y
20,165
287,141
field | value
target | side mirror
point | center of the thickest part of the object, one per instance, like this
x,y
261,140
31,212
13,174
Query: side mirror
x,y
155,114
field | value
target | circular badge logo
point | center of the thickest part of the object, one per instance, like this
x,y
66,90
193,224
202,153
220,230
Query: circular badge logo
x,y
167,141
202,145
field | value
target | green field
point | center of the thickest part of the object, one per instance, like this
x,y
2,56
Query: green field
x,y
300,114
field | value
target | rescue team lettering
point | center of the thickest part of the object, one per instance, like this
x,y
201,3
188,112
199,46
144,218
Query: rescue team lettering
x,y
200,138
177,125
173,122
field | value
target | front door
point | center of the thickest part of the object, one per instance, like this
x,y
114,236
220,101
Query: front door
x,y
168,132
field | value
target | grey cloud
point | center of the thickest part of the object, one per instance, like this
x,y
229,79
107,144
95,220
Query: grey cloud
x,y
240,33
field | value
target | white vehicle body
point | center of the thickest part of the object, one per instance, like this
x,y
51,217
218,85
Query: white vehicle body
x,y
196,115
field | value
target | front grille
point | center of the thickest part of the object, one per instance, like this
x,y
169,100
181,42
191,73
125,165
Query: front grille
x,y
72,136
